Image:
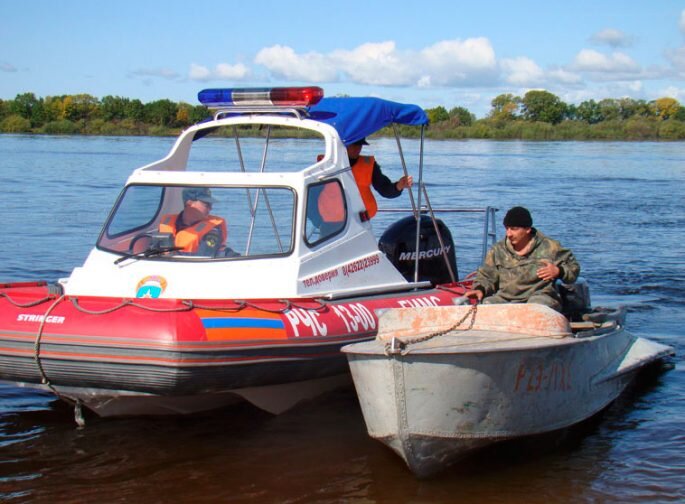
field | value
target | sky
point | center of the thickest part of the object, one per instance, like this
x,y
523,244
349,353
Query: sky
x,y
432,53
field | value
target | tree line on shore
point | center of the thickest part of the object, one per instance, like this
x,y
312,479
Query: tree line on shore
x,y
85,114
538,115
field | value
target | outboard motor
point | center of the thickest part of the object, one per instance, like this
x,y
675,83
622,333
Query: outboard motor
x,y
399,243
575,298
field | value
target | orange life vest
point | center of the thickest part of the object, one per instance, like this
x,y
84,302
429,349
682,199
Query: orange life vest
x,y
330,202
190,238
363,174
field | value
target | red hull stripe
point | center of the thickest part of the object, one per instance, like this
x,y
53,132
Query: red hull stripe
x,y
179,361
249,340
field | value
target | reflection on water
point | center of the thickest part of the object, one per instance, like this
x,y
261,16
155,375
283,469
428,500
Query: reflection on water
x,y
319,452
620,206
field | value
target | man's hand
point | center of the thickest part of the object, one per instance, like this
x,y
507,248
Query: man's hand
x,y
404,182
475,293
548,271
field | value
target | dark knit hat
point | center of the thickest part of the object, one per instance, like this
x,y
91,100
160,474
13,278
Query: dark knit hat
x,y
518,217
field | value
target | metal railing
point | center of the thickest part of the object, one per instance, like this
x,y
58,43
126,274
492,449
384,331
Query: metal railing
x,y
228,111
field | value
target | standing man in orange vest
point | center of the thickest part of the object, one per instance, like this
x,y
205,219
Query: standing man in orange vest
x,y
368,173
194,229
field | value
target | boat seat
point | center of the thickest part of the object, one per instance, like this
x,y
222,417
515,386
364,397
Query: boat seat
x,y
582,326
599,320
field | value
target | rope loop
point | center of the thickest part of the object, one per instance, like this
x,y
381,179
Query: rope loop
x,y
400,346
29,304
36,347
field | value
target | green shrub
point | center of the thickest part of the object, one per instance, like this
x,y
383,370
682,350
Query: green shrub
x,y
106,128
571,130
672,130
607,130
481,130
131,127
640,128
509,130
63,127
162,131
15,124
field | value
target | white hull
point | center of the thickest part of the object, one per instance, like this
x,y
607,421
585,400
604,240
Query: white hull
x,y
274,399
457,392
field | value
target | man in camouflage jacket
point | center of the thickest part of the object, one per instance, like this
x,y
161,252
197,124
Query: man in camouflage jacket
x,y
522,268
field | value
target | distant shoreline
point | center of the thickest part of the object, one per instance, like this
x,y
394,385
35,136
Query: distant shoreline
x,y
541,134
537,116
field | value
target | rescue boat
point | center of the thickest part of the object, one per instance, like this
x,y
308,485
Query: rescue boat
x,y
146,327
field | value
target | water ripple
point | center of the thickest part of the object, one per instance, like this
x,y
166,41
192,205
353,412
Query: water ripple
x,y
618,205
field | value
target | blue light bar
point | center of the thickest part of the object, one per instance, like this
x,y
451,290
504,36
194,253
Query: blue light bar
x,y
241,97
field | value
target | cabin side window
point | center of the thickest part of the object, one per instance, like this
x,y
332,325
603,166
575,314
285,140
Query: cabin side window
x,y
326,211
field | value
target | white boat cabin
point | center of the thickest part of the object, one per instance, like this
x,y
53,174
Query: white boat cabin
x,y
267,190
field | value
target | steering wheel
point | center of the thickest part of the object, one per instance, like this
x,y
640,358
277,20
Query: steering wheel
x,y
138,238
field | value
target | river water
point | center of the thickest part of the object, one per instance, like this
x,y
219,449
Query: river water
x,y
619,206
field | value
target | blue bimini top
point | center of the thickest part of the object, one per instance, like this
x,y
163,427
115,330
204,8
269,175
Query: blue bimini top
x,y
357,118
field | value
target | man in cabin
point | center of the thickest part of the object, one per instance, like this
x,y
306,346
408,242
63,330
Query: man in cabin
x,y
523,266
368,173
195,230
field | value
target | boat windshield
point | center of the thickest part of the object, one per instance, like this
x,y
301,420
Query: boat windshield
x,y
210,223
225,149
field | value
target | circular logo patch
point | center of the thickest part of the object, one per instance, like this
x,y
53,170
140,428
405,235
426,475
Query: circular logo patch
x,y
151,287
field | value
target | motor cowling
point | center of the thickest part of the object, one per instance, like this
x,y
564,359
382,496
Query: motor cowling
x,y
398,242
575,298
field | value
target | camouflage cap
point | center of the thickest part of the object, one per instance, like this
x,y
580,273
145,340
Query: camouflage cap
x,y
198,194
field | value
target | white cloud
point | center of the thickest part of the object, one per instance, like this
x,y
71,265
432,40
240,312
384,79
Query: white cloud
x,y
455,62
424,81
633,89
522,72
231,72
673,92
283,62
223,71
162,73
564,76
7,67
612,37
450,62
677,59
199,72
375,64
616,66
634,86
630,89
473,53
